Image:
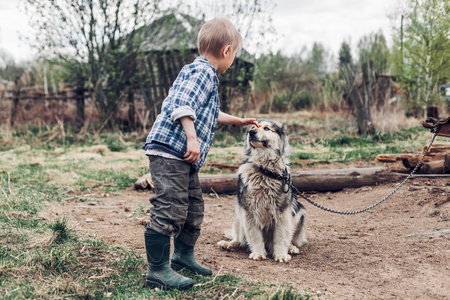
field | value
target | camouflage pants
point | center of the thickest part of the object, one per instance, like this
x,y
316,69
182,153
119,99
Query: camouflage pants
x,y
178,207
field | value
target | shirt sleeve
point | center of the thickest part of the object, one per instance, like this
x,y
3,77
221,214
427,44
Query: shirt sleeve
x,y
190,92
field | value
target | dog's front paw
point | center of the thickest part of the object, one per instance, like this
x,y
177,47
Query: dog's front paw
x,y
293,250
257,256
282,257
233,245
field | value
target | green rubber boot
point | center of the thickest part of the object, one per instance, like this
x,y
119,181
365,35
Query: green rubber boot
x,y
183,258
159,273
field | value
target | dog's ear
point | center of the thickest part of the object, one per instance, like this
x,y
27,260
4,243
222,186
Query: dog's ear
x,y
285,149
247,149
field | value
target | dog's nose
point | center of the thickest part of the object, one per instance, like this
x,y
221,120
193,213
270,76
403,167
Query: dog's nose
x,y
252,132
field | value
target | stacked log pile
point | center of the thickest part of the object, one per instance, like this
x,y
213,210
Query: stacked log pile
x,y
436,162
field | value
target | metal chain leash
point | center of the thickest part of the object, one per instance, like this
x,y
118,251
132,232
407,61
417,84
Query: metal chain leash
x,y
435,131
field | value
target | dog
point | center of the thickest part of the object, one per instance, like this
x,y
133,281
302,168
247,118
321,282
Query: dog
x,y
268,218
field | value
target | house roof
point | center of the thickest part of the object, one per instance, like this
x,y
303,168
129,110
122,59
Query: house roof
x,y
175,31
171,31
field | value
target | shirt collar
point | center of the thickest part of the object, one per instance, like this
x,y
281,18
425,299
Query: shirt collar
x,y
205,61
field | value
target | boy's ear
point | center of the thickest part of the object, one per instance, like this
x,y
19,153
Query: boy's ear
x,y
226,50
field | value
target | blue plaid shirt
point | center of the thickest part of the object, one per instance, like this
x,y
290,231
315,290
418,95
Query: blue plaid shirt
x,y
195,94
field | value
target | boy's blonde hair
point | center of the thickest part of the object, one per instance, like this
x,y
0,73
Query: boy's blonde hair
x,y
217,34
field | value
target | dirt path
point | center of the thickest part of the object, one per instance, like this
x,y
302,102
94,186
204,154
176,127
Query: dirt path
x,y
392,252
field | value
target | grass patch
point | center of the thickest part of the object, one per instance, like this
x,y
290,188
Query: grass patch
x,y
223,139
61,230
116,145
47,259
347,149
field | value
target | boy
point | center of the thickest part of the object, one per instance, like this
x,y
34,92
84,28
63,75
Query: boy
x,y
177,147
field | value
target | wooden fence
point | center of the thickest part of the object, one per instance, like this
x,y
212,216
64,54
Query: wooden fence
x,y
39,101
158,71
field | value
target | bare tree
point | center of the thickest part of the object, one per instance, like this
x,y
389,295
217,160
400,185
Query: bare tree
x,y
252,18
357,80
98,40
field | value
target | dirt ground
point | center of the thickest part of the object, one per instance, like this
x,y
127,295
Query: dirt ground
x,y
392,252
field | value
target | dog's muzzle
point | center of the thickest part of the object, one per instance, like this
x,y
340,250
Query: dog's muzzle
x,y
253,137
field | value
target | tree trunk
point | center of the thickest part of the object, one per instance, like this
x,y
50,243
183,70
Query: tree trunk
x,y
360,102
131,114
80,104
14,107
433,112
317,180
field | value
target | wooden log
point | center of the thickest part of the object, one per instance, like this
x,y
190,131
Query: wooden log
x,y
225,166
390,158
338,179
315,180
438,149
412,162
447,163
408,160
219,183
433,167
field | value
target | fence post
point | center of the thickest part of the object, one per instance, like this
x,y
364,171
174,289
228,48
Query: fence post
x,y
14,107
79,92
131,115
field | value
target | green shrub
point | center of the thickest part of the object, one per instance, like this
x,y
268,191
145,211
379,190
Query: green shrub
x,y
289,100
302,100
61,230
115,145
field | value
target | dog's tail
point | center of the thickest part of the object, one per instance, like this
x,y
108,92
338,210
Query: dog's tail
x,y
297,207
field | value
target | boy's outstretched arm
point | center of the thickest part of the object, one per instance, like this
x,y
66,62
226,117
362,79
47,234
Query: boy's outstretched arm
x,y
225,118
193,149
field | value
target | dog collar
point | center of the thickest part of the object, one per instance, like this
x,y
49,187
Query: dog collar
x,y
285,177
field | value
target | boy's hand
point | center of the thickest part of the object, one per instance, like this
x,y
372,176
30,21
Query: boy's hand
x,y
193,151
229,119
249,121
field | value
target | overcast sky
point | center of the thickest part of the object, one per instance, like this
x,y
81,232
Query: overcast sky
x,y
298,23
303,22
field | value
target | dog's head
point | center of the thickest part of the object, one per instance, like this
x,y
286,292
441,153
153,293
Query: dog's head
x,y
271,136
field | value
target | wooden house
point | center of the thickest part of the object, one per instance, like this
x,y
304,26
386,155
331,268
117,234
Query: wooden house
x,y
170,43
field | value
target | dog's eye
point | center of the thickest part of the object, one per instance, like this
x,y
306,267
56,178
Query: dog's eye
x,y
266,128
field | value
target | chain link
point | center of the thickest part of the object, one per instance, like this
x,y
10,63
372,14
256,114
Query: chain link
x,y
435,131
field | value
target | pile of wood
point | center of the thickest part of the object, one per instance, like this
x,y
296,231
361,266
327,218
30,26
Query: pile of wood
x,y
436,162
